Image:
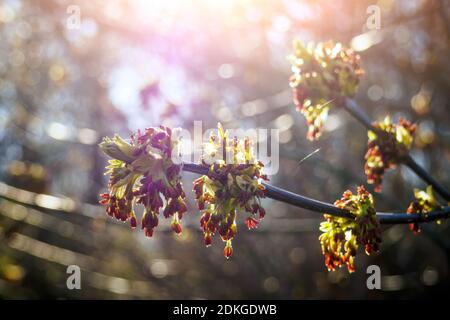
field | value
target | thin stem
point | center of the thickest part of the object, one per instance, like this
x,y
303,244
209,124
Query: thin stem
x,y
401,218
414,166
352,108
304,202
323,207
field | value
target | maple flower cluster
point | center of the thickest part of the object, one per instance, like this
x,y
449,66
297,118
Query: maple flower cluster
x,y
322,75
386,147
342,237
424,202
142,172
231,186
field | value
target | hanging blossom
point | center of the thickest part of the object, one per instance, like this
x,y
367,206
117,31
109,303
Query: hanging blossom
x,y
424,202
232,185
386,147
142,172
342,237
322,75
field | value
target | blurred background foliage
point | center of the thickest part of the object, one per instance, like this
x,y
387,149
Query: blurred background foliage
x,y
137,63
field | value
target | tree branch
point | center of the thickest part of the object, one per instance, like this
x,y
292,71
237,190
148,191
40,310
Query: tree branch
x,y
414,166
323,207
353,109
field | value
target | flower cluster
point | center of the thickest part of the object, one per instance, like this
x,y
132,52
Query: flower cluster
x,y
322,75
425,202
142,172
386,147
342,237
230,186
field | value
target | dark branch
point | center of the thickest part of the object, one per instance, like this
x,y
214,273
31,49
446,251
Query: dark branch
x,y
304,202
414,166
353,109
323,207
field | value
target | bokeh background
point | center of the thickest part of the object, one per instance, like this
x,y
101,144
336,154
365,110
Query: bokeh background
x,y
136,63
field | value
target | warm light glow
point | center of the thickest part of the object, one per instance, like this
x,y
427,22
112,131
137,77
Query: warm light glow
x,y
366,40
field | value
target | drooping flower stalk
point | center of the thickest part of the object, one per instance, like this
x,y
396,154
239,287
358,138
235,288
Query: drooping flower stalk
x,y
386,148
322,75
142,172
342,237
231,186
327,74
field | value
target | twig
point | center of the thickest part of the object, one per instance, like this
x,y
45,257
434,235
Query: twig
x,y
353,109
323,207
414,166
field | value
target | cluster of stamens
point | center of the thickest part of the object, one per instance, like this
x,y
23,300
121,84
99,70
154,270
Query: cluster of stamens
x,y
322,75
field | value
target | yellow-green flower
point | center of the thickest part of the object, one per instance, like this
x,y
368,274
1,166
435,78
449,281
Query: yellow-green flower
x,y
424,202
322,75
386,147
142,172
232,185
341,237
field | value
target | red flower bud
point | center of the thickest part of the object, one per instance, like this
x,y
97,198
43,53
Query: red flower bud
x,y
104,198
262,212
176,227
208,239
251,223
133,222
228,250
148,232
